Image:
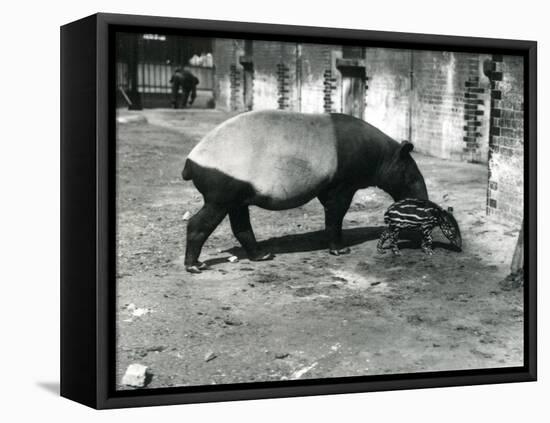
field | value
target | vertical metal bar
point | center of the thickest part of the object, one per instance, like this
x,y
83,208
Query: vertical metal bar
x,y
155,75
147,60
411,93
133,72
167,70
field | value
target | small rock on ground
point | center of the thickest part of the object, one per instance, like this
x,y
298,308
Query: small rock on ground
x,y
136,375
209,356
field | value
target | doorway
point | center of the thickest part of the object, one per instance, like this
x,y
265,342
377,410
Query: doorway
x,y
353,71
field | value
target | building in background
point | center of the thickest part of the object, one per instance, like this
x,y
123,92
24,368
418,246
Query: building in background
x,y
457,106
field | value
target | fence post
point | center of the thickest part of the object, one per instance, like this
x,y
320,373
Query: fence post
x,y
133,74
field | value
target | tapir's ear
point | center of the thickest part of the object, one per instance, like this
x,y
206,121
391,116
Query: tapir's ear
x,y
405,148
450,210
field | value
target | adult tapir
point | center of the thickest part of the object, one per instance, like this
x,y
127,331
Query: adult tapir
x,y
278,160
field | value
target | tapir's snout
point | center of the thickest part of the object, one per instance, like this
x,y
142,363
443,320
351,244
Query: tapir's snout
x,y
415,189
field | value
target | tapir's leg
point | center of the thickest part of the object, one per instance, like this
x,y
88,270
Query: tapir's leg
x,y
242,229
427,240
394,238
383,238
336,203
199,228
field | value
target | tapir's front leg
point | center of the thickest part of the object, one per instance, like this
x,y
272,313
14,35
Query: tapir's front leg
x,y
336,203
383,238
427,240
394,239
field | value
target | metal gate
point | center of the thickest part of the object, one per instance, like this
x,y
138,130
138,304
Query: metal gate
x,y
146,62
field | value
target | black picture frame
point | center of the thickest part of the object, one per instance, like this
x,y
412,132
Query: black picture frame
x,y
88,213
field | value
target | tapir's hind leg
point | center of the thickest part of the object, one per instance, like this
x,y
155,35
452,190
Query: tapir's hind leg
x,y
242,229
199,228
336,203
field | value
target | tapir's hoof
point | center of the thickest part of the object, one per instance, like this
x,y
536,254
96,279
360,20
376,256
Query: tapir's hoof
x,y
339,252
381,251
196,268
428,251
396,252
263,257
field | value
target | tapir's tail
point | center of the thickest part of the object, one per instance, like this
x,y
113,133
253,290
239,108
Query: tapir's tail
x,y
186,172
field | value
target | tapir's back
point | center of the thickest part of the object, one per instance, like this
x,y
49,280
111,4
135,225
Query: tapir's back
x,y
413,213
282,154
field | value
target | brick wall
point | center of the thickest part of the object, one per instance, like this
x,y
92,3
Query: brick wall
x,y
236,87
447,100
505,186
444,108
476,111
318,82
228,73
287,76
274,75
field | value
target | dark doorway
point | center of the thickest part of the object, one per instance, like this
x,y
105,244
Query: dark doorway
x,y
248,74
353,85
248,85
353,91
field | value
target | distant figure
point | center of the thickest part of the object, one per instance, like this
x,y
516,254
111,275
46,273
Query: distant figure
x,y
188,83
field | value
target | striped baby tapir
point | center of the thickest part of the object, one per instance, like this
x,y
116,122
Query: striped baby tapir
x,y
419,215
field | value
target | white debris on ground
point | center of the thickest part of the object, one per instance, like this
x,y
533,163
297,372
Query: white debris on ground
x,y
300,372
137,118
136,375
336,346
137,311
186,215
233,259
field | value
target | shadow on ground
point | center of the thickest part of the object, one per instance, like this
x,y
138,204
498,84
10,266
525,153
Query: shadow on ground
x,y
311,241
316,241
51,387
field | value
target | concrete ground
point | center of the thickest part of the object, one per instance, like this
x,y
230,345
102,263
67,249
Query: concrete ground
x,y
306,314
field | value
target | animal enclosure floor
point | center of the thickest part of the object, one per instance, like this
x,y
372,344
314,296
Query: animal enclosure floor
x,y
305,314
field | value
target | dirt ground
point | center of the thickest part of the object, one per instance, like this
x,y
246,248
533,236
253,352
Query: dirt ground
x,y
306,314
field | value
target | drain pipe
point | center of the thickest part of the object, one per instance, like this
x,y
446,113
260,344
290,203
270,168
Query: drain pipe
x,y
299,76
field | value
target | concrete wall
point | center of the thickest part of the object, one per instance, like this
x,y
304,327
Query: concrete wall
x,y
226,54
388,94
316,71
438,100
505,187
274,75
450,105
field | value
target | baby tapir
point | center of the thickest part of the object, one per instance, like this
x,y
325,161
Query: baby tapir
x,y
280,160
420,215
